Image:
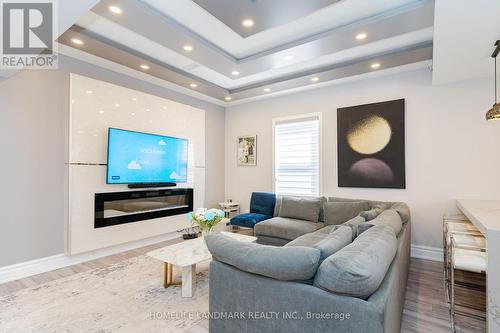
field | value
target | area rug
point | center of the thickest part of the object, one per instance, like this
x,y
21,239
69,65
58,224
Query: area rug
x,y
125,297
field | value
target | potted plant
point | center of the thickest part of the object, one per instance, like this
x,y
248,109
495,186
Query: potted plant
x,y
206,219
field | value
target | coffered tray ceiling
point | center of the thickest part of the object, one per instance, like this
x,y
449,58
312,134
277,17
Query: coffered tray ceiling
x,y
267,13
207,45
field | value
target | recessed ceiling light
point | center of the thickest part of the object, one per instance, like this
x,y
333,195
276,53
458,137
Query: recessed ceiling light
x,y
375,65
89,92
228,98
134,99
361,36
248,23
115,9
193,85
288,57
235,73
76,41
267,89
132,114
147,110
164,107
188,48
145,67
117,105
101,111
315,79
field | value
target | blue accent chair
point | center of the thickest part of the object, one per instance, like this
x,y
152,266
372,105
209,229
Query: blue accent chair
x,y
261,208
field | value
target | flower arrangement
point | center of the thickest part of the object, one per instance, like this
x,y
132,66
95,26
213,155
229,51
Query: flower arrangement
x,y
206,219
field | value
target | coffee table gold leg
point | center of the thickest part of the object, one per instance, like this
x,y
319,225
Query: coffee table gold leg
x,y
168,275
165,275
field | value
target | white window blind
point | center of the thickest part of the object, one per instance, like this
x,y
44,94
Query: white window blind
x,y
296,157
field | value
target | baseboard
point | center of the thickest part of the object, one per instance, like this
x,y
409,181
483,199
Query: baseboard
x,y
426,252
42,265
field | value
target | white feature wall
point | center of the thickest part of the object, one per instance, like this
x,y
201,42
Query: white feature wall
x,y
451,151
96,106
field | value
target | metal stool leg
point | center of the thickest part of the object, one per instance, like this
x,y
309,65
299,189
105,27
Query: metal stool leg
x,y
445,262
452,296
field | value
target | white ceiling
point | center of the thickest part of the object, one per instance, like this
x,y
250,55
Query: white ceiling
x,y
154,32
70,11
120,34
464,34
195,18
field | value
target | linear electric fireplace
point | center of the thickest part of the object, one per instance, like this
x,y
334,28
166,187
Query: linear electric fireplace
x,y
125,207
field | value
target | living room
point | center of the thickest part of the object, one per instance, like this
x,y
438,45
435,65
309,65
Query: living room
x,y
250,166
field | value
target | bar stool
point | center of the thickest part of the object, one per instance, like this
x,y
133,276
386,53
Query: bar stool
x,y
467,258
465,234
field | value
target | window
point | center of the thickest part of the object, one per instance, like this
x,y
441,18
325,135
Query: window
x,y
296,156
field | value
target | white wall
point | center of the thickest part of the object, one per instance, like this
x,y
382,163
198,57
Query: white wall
x,y
451,151
32,107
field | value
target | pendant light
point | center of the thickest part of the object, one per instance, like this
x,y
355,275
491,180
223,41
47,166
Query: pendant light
x,y
494,112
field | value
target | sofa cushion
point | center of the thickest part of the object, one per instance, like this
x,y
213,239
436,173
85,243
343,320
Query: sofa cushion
x,y
263,203
390,218
282,263
337,199
359,268
326,229
403,211
355,223
334,242
340,212
249,220
327,243
285,228
275,241
301,208
309,239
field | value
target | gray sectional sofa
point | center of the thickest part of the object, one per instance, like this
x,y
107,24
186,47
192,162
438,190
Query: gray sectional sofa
x,y
321,265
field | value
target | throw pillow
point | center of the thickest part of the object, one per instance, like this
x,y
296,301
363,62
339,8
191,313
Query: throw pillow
x,y
374,212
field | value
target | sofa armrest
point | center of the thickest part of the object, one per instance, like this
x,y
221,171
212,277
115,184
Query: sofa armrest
x,y
263,304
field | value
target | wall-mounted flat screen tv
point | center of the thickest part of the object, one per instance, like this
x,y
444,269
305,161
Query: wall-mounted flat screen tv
x,y
135,157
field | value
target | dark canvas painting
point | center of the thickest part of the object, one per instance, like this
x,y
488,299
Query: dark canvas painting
x,y
371,145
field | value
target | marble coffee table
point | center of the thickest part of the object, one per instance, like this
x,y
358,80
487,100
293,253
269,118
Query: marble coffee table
x,y
186,255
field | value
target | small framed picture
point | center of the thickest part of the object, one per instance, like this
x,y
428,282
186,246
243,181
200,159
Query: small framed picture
x,y
247,150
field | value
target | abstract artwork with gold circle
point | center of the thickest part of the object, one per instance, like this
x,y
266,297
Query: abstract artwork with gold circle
x,y
371,145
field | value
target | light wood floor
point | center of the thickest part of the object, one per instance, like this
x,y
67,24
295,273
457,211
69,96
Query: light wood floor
x,y
425,307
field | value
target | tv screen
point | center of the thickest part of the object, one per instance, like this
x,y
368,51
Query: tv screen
x,y
135,157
